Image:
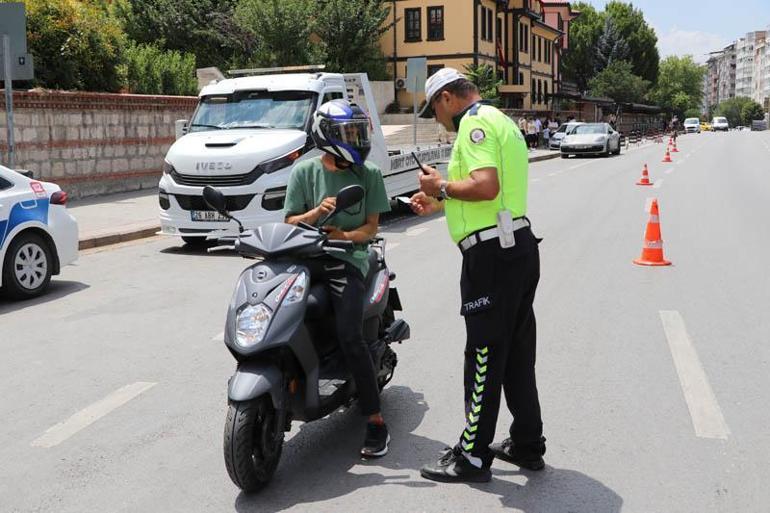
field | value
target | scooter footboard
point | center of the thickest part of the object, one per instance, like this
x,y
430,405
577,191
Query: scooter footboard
x,y
253,379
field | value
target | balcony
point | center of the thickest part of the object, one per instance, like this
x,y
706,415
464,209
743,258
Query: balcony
x,y
513,88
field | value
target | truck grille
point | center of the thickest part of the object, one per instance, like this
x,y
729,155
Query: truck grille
x,y
216,181
234,203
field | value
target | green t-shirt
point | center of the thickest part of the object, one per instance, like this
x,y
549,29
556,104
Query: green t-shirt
x,y
487,138
310,183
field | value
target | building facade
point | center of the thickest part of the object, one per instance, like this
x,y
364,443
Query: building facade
x,y
523,40
720,79
744,60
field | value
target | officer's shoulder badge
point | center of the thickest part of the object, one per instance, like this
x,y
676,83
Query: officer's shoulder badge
x,y
478,136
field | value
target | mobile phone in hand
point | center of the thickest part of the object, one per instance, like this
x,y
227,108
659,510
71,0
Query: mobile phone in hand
x,y
419,164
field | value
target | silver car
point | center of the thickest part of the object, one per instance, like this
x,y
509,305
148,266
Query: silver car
x,y
591,139
558,136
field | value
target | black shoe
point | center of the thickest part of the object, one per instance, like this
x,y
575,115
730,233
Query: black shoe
x,y
528,456
454,467
376,441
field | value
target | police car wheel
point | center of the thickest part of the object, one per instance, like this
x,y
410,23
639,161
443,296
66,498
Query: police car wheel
x,y
28,266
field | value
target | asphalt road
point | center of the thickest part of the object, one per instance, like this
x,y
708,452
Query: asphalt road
x,y
654,382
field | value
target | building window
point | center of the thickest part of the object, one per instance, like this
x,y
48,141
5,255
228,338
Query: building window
x,y
534,91
545,92
540,49
433,68
490,24
435,23
413,24
539,91
521,78
483,23
487,23
499,32
534,47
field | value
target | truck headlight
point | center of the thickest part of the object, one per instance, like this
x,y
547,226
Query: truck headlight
x,y
167,168
252,324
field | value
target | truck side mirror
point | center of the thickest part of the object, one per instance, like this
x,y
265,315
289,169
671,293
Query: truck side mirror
x,y
181,128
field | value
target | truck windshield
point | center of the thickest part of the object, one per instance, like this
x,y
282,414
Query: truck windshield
x,y
254,109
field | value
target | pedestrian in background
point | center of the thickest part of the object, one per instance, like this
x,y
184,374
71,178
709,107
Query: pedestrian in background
x,y
485,201
531,134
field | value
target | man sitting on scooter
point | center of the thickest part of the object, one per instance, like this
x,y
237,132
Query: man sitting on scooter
x,y
341,130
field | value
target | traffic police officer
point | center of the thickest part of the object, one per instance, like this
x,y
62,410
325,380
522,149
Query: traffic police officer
x,y
485,201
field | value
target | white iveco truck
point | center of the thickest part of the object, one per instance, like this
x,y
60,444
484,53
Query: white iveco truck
x,y
244,138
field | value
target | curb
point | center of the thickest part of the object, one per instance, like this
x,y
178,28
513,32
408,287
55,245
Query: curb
x,y
96,240
541,158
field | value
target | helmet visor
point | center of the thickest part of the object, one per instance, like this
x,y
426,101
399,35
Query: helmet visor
x,y
354,134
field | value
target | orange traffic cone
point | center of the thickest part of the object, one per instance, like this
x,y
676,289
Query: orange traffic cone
x,y
667,158
645,179
652,251
675,149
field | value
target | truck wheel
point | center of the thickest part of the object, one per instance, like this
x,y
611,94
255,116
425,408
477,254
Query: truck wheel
x,y
253,443
28,267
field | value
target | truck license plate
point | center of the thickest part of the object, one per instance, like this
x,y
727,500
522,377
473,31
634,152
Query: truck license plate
x,y
208,216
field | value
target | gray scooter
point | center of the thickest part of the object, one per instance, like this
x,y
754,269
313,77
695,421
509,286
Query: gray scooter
x,y
280,329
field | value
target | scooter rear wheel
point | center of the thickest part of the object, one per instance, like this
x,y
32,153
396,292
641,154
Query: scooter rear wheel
x,y
253,443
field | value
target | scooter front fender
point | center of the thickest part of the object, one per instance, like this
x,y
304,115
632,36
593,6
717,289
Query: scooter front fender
x,y
253,379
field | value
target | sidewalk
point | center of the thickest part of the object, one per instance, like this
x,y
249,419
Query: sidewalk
x,y
123,217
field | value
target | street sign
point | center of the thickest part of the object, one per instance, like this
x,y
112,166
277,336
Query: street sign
x,y
13,23
416,74
21,66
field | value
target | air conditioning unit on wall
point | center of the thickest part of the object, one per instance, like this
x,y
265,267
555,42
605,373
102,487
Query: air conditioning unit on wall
x,y
400,83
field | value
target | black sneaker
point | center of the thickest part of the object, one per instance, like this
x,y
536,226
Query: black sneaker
x,y
528,456
454,467
376,441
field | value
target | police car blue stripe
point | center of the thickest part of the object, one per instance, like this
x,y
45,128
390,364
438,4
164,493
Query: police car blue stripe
x,y
24,212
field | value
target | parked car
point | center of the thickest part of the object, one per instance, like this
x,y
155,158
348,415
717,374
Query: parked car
x,y
591,139
705,126
720,123
558,136
758,125
692,126
37,234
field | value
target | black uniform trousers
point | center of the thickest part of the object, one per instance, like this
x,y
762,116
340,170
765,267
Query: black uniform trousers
x,y
498,288
347,291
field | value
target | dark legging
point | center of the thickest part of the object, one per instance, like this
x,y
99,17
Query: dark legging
x,y
346,288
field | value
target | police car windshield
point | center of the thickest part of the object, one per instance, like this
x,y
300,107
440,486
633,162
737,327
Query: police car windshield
x,y
254,109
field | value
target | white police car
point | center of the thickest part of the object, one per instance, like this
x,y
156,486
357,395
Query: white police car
x,y
37,234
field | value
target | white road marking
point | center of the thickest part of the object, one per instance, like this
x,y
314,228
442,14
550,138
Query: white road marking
x,y
393,245
534,180
552,174
669,171
658,184
414,232
219,337
707,418
579,165
90,414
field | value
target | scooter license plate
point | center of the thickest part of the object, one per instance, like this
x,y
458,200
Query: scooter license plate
x,y
208,216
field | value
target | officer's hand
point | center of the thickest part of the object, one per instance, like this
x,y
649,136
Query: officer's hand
x,y
326,206
424,205
430,183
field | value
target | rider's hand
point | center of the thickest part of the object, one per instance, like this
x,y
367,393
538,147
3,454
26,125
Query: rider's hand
x,y
334,233
430,181
326,207
424,205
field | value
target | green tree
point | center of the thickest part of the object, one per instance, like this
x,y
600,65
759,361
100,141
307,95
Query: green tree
x,y
611,47
752,111
279,30
680,85
579,63
640,36
692,113
204,27
617,81
150,70
76,45
349,33
732,109
486,79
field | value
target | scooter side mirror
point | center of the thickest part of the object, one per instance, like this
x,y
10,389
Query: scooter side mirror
x,y
346,198
216,200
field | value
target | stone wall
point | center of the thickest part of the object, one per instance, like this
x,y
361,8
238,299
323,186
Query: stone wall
x,y
94,143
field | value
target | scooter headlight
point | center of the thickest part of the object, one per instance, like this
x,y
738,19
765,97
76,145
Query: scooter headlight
x,y
297,291
252,324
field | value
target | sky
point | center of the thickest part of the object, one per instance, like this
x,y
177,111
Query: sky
x,y
697,27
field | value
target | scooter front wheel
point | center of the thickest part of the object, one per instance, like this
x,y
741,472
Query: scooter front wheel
x,y
253,443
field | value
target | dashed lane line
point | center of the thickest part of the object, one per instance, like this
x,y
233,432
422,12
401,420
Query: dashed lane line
x,y
707,418
658,184
90,414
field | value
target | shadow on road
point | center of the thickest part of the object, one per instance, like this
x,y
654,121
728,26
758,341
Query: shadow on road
x,y
316,463
56,290
553,490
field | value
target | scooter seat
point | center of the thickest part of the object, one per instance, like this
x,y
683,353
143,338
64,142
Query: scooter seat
x,y
319,303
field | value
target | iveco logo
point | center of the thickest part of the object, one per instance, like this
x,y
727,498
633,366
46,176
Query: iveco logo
x,y
213,166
